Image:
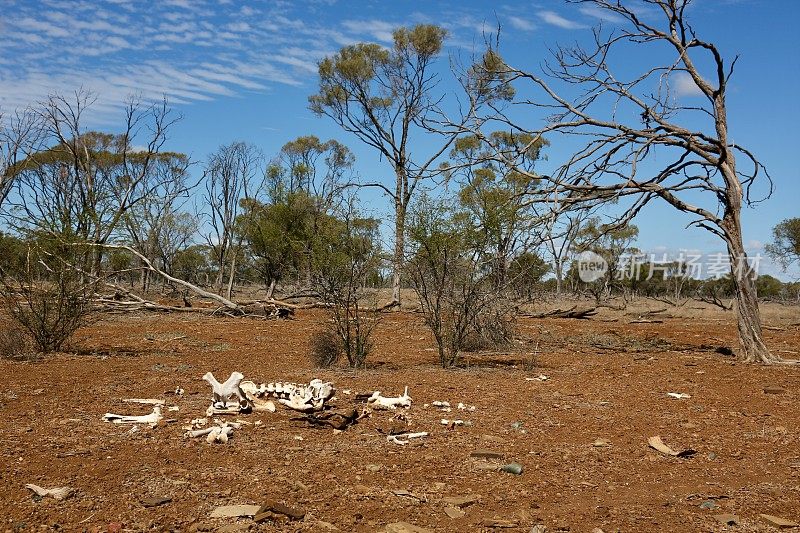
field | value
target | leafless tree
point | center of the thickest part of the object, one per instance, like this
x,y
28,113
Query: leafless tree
x,y
155,226
561,231
19,136
639,139
85,182
230,177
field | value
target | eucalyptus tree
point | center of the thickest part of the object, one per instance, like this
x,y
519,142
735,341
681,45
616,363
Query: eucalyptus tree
x,y
387,98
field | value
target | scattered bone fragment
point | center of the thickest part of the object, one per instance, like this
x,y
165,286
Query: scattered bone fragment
x,y
145,401
402,440
679,395
57,493
657,444
219,434
383,402
226,409
152,419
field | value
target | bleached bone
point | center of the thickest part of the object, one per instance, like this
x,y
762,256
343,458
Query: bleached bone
x,y
198,432
223,391
234,425
679,395
301,403
58,493
540,377
383,402
146,401
321,390
397,439
224,409
262,406
310,397
446,422
151,419
219,435
250,388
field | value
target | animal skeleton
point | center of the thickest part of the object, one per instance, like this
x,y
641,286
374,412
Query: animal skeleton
x,y
383,402
151,419
301,397
223,391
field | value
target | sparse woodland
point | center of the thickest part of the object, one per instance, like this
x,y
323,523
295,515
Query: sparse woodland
x,y
112,222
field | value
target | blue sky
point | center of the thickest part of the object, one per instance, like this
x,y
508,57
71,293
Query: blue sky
x,y
244,70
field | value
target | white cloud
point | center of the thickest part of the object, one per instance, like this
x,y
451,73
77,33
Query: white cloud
x,y
521,23
379,29
188,50
554,19
601,14
684,85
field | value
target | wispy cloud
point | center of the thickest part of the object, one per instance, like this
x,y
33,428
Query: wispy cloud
x,y
188,50
521,23
379,29
600,14
554,19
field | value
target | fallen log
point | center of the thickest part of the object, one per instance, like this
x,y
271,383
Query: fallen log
x,y
583,313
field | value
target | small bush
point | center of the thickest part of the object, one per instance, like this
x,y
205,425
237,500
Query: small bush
x,y
326,348
49,301
14,344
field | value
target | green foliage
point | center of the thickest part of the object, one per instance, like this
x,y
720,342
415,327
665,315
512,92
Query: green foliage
x,y
495,196
526,272
193,264
786,246
13,255
488,78
461,305
768,286
345,256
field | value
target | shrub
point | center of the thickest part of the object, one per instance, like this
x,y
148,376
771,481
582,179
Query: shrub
x,y
461,304
326,348
50,300
346,255
14,343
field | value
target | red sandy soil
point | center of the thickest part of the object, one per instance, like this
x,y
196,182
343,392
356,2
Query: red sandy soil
x,y
608,380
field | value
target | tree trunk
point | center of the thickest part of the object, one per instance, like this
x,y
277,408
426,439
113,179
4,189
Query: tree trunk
x,y
751,342
229,291
398,257
559,276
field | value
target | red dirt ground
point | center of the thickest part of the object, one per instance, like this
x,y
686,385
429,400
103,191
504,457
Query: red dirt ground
x,y
608,380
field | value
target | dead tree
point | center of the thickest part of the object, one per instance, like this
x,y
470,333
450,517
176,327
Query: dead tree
x,y
84,183
19,135
640,139
230,174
